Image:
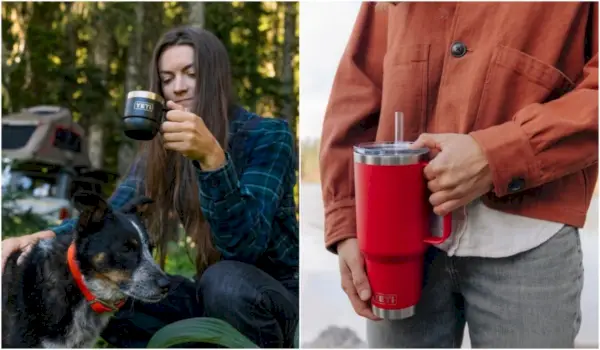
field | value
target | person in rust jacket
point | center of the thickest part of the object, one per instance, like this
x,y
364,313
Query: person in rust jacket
x,y
506,97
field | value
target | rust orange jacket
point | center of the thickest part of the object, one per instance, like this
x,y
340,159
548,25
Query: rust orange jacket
x,y
520,78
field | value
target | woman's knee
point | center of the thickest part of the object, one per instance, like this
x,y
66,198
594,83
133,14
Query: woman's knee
x,y
226,285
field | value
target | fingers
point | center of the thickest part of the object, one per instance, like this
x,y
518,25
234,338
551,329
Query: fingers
x,y
426,140
435,168
178,126
449,206
12,245
179,146
8,247
361,307
440,197
175,106
180,136
359,278
440,183
176,115
446,201
24,252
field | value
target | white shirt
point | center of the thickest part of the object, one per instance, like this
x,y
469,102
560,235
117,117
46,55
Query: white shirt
x,y
480,231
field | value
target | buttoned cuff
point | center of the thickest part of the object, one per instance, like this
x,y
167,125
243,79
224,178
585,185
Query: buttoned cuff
x,y
510,156
217,184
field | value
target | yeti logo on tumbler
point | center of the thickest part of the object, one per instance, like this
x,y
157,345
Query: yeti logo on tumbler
x,y
144,111
385,299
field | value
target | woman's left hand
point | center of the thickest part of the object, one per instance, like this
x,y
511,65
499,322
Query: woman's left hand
x,y
186,133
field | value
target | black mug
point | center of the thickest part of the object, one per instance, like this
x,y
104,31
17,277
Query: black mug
x,y
144,112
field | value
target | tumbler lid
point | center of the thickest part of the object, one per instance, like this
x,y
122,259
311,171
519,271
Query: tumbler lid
x,y
388,153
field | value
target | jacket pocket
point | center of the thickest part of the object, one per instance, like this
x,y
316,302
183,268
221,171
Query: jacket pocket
x,y
515,80
405,80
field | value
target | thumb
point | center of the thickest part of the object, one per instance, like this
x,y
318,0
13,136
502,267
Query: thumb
x,y
174,105
431,141
359,278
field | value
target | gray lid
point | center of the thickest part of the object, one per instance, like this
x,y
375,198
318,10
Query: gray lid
x,y
388,153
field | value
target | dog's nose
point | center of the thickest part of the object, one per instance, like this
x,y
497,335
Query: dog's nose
x,y
163,284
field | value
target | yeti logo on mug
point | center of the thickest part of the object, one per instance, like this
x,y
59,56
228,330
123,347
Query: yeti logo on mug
x,y
143,106
144,112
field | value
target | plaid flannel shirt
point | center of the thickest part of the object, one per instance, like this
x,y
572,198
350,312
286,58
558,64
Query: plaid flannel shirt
x,y
249,202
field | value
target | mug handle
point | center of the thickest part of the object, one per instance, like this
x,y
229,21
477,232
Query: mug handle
x,y
163,115
447,224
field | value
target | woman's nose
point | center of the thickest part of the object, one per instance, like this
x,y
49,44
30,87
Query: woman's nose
x,y
180,86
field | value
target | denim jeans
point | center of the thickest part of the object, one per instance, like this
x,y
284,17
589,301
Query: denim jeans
x,y
257,305
529,300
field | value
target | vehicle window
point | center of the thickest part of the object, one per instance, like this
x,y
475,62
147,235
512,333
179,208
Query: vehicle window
x,y
67,140
16,136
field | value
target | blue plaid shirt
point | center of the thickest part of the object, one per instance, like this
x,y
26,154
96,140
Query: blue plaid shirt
x,y
249,202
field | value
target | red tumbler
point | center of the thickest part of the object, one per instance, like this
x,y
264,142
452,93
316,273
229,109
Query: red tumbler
x,y
395,223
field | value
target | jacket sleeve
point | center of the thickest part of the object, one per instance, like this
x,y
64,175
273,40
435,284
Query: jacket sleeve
x,y
240,209
546,141
351,117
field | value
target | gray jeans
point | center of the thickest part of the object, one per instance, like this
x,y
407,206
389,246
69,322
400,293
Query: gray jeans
x,y
528,300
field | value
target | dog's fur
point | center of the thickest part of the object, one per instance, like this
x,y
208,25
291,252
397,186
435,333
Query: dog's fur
x,y
42,305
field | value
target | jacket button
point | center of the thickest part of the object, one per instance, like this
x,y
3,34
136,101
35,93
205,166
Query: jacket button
x,y
458,49
516,184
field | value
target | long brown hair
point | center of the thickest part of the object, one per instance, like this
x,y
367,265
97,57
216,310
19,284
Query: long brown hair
x,y
169,177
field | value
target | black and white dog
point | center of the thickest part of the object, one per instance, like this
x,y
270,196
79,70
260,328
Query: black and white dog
x,y
64,291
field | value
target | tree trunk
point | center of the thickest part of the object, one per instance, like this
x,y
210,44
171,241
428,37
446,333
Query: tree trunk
x,y
100,50
197,14
132,81
287,69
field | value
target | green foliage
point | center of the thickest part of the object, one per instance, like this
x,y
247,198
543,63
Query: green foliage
x,y
17,223
200,330
180,258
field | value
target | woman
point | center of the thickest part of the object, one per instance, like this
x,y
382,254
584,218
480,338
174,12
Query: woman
x,y
218,169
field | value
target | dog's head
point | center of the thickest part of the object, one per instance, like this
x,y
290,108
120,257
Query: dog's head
x,y
113,250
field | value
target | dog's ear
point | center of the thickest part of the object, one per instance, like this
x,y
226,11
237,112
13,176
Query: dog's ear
x,y
137,205
93,209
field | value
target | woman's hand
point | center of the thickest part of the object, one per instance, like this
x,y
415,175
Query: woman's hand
x,y
22,243
187,134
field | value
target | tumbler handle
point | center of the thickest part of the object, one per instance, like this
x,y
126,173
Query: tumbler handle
x,y
447,223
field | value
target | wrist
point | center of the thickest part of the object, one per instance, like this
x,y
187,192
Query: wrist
x,y
343,243
214,159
